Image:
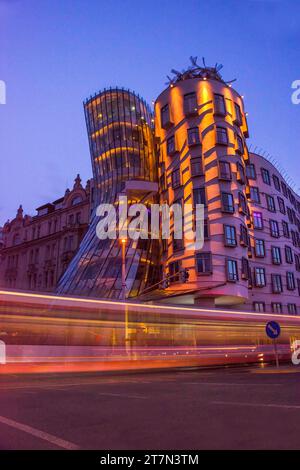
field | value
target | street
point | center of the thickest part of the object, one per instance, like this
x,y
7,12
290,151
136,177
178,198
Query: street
x,y
234,408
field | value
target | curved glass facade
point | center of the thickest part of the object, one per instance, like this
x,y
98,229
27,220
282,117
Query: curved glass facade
x,y
120,130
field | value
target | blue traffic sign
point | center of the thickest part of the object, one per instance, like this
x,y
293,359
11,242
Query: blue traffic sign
x,y
273,329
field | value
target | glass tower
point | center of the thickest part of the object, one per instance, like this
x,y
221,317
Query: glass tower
x,y
120,131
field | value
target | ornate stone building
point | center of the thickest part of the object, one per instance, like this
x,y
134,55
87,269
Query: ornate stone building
x,y
36,250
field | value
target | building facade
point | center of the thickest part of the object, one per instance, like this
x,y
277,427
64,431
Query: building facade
x,y
37,250
250,257
193,150
120,132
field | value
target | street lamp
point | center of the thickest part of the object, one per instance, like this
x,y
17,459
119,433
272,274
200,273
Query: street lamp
x,y
123,244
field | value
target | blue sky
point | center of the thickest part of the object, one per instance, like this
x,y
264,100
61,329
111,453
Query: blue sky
x,y
55,53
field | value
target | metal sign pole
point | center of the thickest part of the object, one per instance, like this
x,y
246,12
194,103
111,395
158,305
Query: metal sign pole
x,y
276,352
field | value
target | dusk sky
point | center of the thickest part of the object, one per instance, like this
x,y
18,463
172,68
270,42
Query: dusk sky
x,y
55,53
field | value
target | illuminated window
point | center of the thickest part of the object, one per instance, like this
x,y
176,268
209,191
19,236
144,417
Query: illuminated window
x,y
222,135
258,220
220,107
203,263
276,283
260,277
229,235
227,202
276,255
232,270
193,136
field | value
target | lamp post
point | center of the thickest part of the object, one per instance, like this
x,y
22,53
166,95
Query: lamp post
x,y
123,244
127,339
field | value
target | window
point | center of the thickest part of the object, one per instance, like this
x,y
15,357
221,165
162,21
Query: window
x,y
276,255
71,219
177,243
276,182
276,283
250,171
258,220
165,117
254,194
240,144
281,204
190,105
78,217
227,202
290,281
193,136
224,170
171,149
232,270
244,238
220,107
240,173
245,268
222,136
288,254
284,188
274,229
76,200
276,307
259,307
285,229
238,115
196,167
297,262
243,204
174,269
260,277
265,176
270,203
259,245
176,178
298,286
229,235
292,309
163,182
206,229
203,263
199,196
